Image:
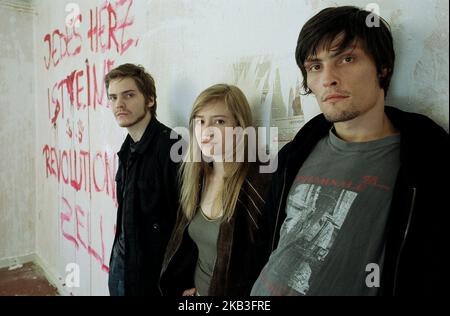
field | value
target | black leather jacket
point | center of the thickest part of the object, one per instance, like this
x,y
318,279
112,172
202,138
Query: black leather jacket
x,y
242,247
415,237
147,194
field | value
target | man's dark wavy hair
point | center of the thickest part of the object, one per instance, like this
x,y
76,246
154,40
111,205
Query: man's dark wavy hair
x,y
350,22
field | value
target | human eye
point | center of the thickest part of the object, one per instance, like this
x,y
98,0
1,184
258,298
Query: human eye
x,y
313,67
219,122
112,98
348,59
198,121
129,95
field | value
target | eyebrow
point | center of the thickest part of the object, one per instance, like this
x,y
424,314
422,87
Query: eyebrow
x,y
336,53
214,116
123,92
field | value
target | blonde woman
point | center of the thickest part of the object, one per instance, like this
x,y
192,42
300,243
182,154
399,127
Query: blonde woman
x,y
221,240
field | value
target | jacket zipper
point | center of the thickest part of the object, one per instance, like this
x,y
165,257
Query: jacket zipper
x,y
279,207
405,235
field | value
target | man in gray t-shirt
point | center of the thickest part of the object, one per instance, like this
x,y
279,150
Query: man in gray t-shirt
x,y
336,214
358,202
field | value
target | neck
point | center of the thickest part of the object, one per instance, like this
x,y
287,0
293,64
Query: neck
x,y
137,130
218,169
372,125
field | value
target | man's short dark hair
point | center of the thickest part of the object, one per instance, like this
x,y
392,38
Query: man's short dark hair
x,y
144,81
351,22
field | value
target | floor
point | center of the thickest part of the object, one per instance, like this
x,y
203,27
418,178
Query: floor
x,y
28,280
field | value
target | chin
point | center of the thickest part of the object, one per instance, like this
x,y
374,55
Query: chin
x,y
207,149
208,153
124,124
121,124
341,116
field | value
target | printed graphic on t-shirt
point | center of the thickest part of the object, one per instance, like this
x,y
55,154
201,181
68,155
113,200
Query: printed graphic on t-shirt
x,y
315,215
316,211
336,213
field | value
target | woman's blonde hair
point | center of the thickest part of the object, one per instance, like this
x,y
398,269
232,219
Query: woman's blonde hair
x,y
193,171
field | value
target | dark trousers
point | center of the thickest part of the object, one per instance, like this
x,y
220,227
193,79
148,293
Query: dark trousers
x,y
116,275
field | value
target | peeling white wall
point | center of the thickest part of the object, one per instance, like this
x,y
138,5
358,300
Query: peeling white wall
x,y
187,45
17,131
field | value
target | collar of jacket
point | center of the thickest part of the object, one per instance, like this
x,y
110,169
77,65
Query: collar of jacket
x,y
410,126
419,136
423,143
145,141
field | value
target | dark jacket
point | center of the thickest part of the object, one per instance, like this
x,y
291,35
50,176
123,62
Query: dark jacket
x,y
148,192
242,247
415,240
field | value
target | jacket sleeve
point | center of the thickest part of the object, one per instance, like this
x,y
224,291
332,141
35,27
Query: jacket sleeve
x,y
273,197
170,167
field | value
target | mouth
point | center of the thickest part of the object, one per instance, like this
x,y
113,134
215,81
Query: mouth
x,y
122,114
335,97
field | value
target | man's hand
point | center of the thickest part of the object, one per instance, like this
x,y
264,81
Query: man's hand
x,y
190,292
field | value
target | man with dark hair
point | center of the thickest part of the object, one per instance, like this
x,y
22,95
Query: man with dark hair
x,y
359,196
147,189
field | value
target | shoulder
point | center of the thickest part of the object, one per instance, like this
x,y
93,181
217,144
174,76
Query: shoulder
x,y
417,130
167,141
257,181
167,136
424,145
410,122
310,133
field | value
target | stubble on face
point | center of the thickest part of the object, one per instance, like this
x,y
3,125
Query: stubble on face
x,y
353,68
131,110
136,120
341,116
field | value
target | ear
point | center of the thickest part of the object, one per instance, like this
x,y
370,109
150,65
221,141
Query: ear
x,y
384,72
151,102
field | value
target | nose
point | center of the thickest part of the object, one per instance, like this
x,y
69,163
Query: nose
x,y
329,77
207,133
120,102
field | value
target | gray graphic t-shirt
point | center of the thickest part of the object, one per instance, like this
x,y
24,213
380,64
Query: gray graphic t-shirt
x,y
336,212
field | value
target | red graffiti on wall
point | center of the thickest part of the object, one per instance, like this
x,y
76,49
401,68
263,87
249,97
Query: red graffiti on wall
x,y
69,90
78,135
81,170
81,222
80,131
107,29
62,44
69,129
108,26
